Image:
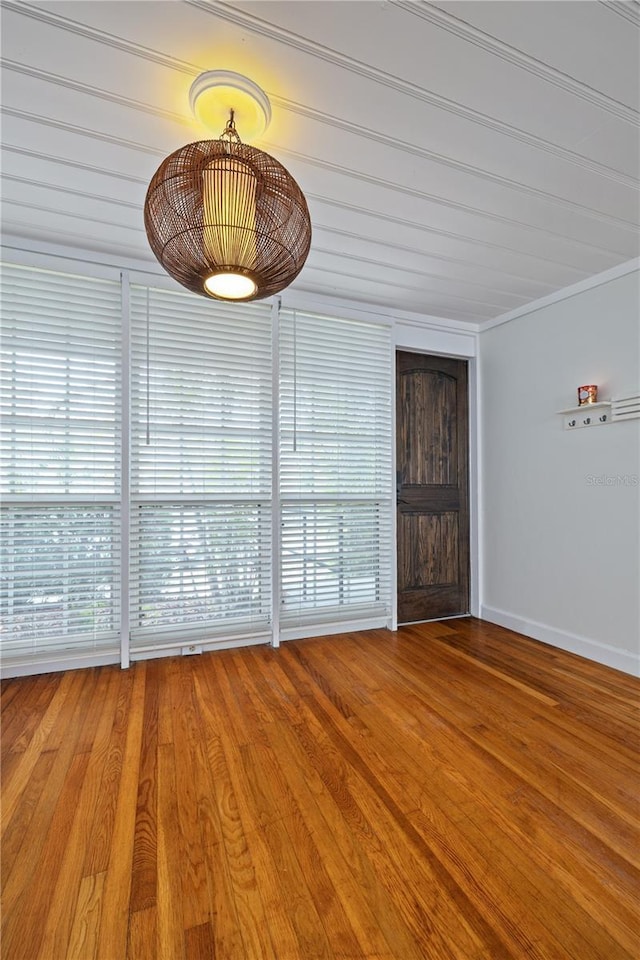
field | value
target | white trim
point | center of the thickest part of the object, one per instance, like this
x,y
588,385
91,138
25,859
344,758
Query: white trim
x,y
56,256
475,485
276,507
296,299
393,566
565,293
452,616
150,272
58,262
30,668
125,469
177,649
212,79
328,629
582,646
474,480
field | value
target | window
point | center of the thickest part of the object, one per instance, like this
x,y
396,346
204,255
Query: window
x,y
158,519
335,463
60,465
200,468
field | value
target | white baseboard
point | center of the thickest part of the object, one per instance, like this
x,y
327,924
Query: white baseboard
x,y
591,649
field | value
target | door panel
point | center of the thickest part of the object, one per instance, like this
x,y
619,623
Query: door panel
x,y
432,465
426,397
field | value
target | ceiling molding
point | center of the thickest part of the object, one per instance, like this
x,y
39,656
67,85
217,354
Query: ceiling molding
x,y
452,204
502,207
449,235
576,159
76,257
372,214
427,255
14,237
81,131
621,270
414,271
72,164
298,296
627,10
261,27
317,116
77,130
425,294
317,227
99,92
100,36
460,166
388,301
192,69
71,191
517,58
315,250
337,169
68,213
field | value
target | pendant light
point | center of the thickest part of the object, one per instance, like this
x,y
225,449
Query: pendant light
x,y
225,219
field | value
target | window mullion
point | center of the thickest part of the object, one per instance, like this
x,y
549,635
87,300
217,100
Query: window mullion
x,y
276,513
125,474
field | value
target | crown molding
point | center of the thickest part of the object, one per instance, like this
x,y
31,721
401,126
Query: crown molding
x,y
621,270
517,58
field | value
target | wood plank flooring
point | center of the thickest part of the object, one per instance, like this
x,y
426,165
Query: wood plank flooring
x,y
451,792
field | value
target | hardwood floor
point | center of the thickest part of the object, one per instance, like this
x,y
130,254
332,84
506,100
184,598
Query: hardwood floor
x,y
450,791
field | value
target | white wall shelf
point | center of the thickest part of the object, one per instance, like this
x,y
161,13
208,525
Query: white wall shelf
x,y
588,415
604,411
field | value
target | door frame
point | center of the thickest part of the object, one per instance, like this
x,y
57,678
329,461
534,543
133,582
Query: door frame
x,y
440,345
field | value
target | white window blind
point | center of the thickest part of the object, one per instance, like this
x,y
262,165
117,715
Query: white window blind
x,y
60,465
200,512
335,471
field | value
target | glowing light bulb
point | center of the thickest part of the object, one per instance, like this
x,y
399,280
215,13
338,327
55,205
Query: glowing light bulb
x,y
230,286
229,226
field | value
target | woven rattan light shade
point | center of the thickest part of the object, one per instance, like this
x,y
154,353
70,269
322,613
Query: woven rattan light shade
x,y
220,206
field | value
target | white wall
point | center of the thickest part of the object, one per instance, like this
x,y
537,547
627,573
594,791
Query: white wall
x,y
560,509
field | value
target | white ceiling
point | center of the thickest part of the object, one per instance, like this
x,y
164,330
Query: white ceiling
x,y
459,159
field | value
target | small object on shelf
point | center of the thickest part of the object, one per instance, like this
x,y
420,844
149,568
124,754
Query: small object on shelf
x,y
587,394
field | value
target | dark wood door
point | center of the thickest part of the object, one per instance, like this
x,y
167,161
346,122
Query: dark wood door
x,y
432,487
